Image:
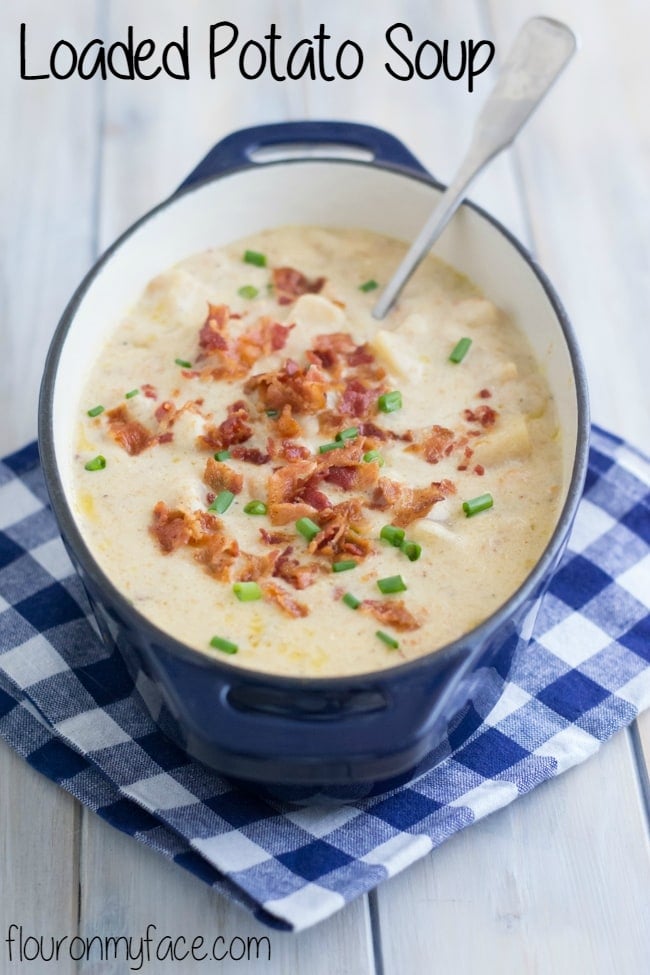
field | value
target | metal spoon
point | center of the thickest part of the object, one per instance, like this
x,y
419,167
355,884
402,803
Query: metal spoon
x,y
540,51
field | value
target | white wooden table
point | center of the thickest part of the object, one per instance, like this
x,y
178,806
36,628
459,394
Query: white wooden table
x,y
559,881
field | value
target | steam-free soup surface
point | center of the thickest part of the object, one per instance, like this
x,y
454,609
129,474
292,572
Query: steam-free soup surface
x,y
259,429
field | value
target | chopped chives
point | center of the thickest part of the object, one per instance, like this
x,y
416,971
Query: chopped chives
x,y
273,414
349,434
222,502
344,565
392,534
248,291
391,584
255,508
326,447
474,505
254,257
96,410
351,601
389,402
219,643
131,393
307,528
183,363
411,550
389,640
246,592
368,285
222,455
460,350
373,455
98,463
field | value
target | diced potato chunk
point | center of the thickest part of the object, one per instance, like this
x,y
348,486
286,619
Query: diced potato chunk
x,y
476,312
313,315
394,351
508,441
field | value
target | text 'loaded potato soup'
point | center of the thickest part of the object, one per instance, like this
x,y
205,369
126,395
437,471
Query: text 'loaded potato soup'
x,y
270,474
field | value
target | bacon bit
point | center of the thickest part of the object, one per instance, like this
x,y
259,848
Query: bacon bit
x,y
128,433
286,425
361,356
291,451
484,393
357,399
408,503
273,538
436,443
190,373
149,391
217,554
329,350
391,612
289,284
369,429
484,415
290,385
311,495
283,512
257,567
262,338
341,531
286,483
221,477
210,496
169,528
283,600
165,412
252,455
165,437
479,469
212,337
235,429
359,478
298,575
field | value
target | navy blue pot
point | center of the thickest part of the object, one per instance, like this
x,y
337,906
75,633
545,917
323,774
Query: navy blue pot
x,y
305,738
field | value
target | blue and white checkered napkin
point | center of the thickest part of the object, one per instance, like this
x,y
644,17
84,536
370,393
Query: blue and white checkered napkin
x,y
69,708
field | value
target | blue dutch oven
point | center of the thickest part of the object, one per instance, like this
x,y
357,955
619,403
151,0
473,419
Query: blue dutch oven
x,y
306,737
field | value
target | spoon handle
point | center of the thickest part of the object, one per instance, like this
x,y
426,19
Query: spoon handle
x,y
540,51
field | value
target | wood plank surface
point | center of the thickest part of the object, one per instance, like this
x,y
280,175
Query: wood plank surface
x,y
557,882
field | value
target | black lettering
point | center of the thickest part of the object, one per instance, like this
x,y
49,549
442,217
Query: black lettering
x,y
214,53
473,51
418,60
111,940
51,954
273,36
147,939
119,47
10,938
59,942
307,64
257,942
143,52
98,64
169,949
60,45
196,944
389,39
214,948
26,77
175,954
30,937
463,61
339,60
243,948
83,948
131,956
251,46
183,49
321,37
90,941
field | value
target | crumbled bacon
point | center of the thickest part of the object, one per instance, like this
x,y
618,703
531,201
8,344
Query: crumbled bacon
x,y
361,477
286,425
130,434
217,554
273,538
170,528
255,567
291,451
284,512
289,284
222,477
283,600
200,530
360,356
235,429
436,443
331,351
252,455
165,412
341,531
479,469
357,399
484,393
311,495
484,415
390,612
149,391
297,574
286,483
212,335
406,503
303,390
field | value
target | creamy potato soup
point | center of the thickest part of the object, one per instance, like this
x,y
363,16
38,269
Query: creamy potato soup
x,y
275,478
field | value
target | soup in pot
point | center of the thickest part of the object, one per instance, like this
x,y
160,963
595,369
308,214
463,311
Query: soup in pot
x,y
272,476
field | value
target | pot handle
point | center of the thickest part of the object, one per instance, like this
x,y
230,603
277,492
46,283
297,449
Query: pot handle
x,y
239,149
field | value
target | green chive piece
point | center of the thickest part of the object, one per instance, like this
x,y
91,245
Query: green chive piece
x,y
344,565
273,414
393,535
254,257
222,455
222,502
248,291
351,601
246,592
391,584
389,402
368,285
474,505
131,393
183,363
307,528
96,410
373,455
219,643
389,640
255,508
411,550
350,434
326,447
98,463
460,350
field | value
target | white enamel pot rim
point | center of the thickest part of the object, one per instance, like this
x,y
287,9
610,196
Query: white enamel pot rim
x,y
379,196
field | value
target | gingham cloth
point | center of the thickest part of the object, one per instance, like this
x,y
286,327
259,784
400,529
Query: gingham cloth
x,y
69,708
